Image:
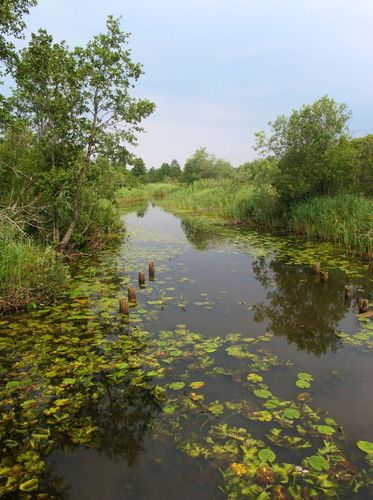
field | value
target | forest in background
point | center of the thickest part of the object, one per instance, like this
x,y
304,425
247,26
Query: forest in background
x,y
66,168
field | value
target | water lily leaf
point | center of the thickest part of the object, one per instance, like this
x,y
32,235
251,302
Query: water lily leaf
x,y
267,455
254,377
326,429
365,446
291,413
176,386
318,463
197,385
304,376
302,384
262,393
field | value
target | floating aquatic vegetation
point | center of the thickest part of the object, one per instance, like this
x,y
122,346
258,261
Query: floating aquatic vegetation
x,y
78,374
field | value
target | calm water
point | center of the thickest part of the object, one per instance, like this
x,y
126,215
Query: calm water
x,y
162,405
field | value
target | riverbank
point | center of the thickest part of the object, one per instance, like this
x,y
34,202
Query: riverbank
x,y
345,219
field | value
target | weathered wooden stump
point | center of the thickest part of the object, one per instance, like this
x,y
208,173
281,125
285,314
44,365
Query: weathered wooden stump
x,y
141,279
317,268
363,306
324,276
123,306
348,292
132,295
151,270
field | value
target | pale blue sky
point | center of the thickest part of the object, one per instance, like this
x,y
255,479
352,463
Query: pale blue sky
x,y
219,70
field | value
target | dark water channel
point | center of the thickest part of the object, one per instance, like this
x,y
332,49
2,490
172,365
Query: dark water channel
x,y
237,375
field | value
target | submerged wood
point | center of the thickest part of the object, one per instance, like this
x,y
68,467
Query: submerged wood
x,y
151,270
368,314
317,268
123,306
141,278
324,276
363,306
132,294
348,291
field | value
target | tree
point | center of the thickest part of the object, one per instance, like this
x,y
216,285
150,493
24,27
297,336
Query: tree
x,y
312,149
201,165
363,164
138,169
79,106
11,23
175,170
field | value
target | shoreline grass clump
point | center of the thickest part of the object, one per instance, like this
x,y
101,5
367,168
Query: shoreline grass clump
x,y
345,218
29,273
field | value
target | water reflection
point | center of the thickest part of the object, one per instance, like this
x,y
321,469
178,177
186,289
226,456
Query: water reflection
x,y
306,311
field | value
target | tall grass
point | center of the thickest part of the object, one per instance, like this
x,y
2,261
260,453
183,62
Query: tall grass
x,y
143,192
225,198
346,219
28,272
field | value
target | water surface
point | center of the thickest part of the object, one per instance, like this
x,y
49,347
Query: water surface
x,y
235,348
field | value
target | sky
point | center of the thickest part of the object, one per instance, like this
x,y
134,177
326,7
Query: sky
x,y
220,70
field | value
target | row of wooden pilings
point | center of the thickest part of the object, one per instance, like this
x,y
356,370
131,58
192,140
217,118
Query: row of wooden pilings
x,y
348,289
125,304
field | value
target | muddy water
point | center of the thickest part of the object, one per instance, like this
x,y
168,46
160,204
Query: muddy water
x,y
237,375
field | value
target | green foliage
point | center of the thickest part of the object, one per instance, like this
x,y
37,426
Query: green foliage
x,y
312,149
29,273
363,164
201,165
11,23
346,219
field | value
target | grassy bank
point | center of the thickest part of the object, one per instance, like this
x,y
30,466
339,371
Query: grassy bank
x,y
346,219
143,192
29,273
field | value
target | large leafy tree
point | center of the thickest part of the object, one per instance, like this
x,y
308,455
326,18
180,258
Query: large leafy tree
x,y
312,148
78,102
11,23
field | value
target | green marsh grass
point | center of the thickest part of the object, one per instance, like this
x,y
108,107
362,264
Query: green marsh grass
x,y
131,196
346,219
28,272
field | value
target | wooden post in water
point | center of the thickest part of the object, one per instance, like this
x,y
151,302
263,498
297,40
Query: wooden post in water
x,y
151,270
348,292
324,275
123,306
141,279
317,268
132,295
363,306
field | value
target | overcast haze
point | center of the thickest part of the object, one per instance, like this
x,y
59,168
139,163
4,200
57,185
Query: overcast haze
x,y
220,70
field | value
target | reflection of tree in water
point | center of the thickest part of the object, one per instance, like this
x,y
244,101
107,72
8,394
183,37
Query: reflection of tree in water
x,y
305,311
141,212
122,417
201,234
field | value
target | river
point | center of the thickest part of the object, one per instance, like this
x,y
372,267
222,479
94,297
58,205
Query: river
x,y
238,374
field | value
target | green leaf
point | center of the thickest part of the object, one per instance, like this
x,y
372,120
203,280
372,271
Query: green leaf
x,y
262,393
176,386
304,376
254,377
302,384
326,429
291,413
267,455
365,446
318,463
